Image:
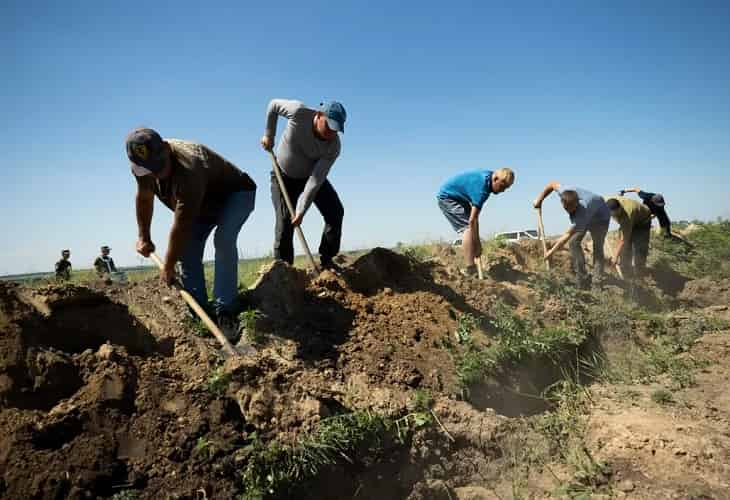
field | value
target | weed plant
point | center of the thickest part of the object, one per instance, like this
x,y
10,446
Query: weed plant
x,y
218,381
247,325
276,471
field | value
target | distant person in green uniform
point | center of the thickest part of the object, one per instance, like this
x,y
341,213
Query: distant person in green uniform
x,y
632,248
63,266
104,265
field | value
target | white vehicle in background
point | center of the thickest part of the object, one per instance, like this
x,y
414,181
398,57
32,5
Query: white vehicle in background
x,y
511,236
515,236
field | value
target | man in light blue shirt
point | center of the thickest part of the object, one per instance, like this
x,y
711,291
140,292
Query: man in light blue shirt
x,y
588,212
461,199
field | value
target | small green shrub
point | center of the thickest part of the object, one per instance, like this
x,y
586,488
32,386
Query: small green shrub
x,y
247,324
662,397
218,381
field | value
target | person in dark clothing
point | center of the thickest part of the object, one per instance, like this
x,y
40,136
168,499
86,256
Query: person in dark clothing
x,y
104,264
655,203
63,266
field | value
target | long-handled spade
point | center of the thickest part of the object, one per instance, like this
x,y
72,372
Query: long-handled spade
x,y
541,230
217,333
480,271
289,206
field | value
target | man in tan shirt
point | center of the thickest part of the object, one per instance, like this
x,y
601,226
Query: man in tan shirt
x,y
204,191
632,248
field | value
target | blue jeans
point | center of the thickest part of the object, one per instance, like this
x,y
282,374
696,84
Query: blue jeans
x,y
234,213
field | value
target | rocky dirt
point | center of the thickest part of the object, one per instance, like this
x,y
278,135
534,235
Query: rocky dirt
x,y
111,389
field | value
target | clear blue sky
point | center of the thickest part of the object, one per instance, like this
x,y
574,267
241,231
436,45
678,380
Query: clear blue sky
x,y
593,93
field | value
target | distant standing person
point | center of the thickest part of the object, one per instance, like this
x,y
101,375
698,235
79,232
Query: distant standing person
x,y
634,221
104,264
204,191
461,199
655,203
63,266
307,150
588,212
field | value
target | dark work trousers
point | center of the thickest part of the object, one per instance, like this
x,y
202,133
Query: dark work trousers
x,y
328,204
635,251
598,235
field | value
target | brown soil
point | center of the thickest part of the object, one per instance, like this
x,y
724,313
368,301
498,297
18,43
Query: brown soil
x,y
103,390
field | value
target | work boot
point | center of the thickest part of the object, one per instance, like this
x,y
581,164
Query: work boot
x,y
330,265
228,324
469,271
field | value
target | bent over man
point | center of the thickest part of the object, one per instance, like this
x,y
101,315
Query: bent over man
x,y
204,191
588,212
308,148
632,248
461,199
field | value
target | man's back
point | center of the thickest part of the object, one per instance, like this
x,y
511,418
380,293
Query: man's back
x,y
200,182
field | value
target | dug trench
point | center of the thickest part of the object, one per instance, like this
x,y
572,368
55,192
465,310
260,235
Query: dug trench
x,y
398,378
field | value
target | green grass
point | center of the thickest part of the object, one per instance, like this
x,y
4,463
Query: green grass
x,y
125,495
417,252
662,397
515,340
247,325
710,256
218,381
276,471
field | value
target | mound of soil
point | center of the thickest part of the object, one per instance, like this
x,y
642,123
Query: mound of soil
x,y
108,389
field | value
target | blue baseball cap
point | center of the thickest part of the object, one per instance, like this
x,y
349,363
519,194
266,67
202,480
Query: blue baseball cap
x,y
658,200
146,151
336,115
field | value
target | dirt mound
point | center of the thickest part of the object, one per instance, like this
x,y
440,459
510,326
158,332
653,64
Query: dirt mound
x,y
382,268
706,292
279,289
113,389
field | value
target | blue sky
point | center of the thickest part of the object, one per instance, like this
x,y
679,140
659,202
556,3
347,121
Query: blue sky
x,y
597,94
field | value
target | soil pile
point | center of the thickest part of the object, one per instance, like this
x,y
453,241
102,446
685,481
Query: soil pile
x,y
113,389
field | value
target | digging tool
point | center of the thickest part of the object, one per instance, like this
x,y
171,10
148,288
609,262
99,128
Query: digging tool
x,y
541,230
217,333
302,240
480,271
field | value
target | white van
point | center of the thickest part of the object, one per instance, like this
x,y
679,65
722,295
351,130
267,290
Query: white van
x,y
515,236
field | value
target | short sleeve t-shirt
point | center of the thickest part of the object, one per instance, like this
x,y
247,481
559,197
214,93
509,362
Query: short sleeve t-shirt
x,y
199,184
592,209
473,187
632,214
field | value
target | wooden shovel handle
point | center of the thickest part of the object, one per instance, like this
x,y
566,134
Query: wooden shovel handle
x,y
217,333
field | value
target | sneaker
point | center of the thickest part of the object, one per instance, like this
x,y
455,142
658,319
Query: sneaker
x,y
228,325
329,264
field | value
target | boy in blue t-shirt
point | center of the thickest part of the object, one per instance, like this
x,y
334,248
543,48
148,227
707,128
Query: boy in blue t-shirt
x,y
461,199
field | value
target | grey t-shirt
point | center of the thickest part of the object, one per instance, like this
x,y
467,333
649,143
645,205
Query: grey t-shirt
x,y
592,209
300,153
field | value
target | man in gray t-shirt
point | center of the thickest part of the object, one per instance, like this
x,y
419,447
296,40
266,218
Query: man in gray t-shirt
x,y
307,150
588,212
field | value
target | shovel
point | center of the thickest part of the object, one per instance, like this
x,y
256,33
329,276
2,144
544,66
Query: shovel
x,y
289,205
541,230
217,333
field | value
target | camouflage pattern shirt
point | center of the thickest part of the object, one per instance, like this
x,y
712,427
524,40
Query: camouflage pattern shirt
x,y
63,269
